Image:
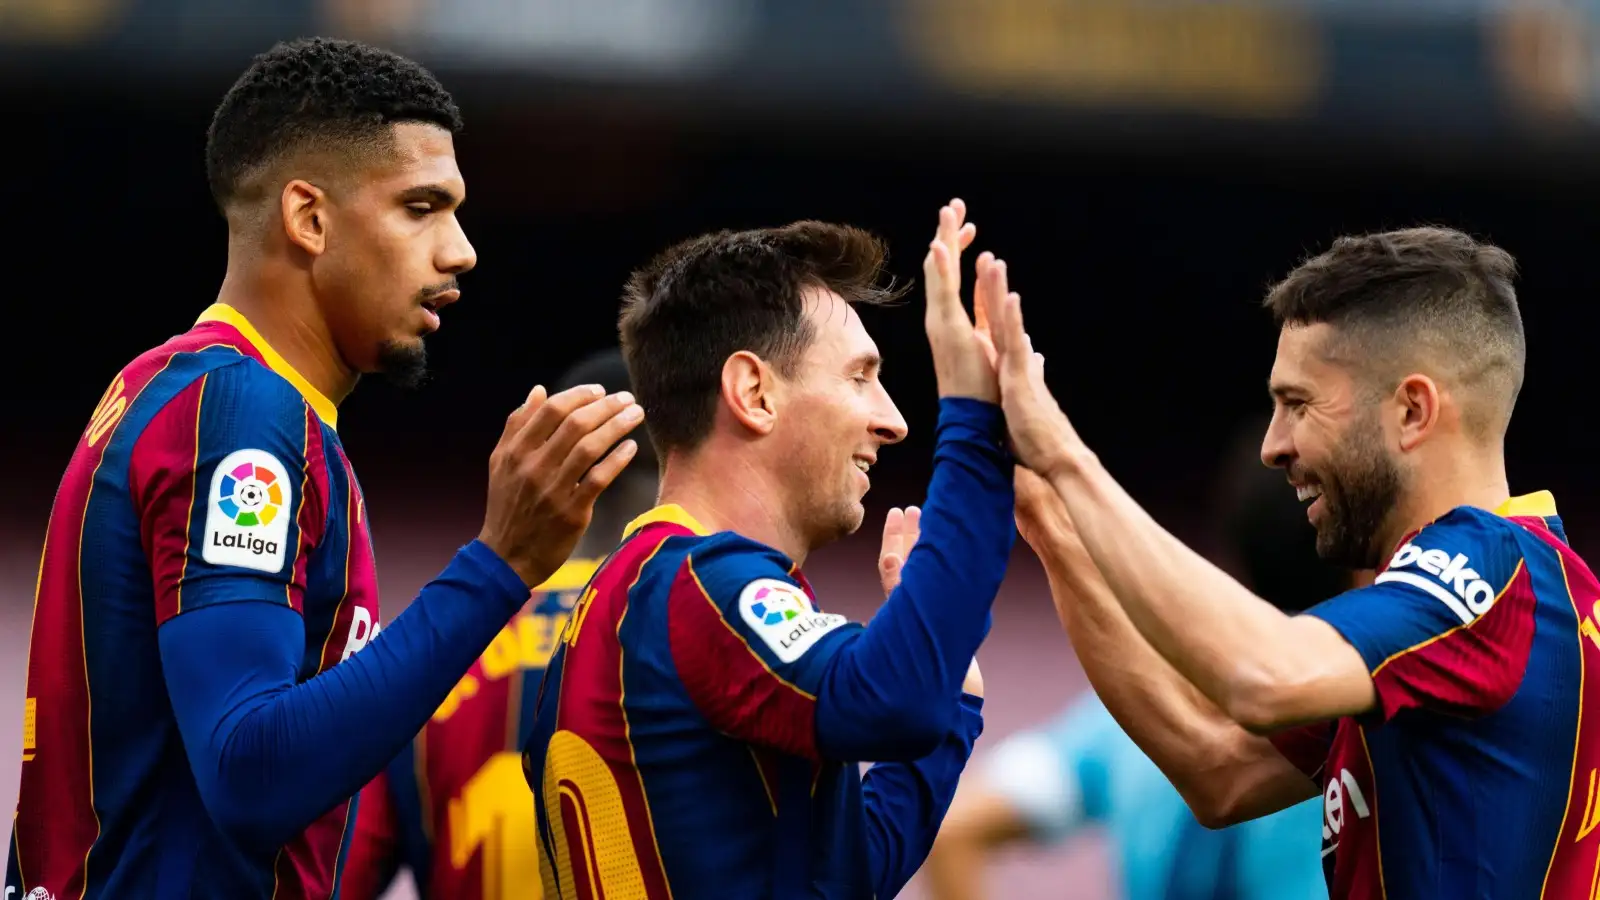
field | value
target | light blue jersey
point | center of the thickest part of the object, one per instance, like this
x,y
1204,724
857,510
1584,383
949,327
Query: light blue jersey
x,y
1082,770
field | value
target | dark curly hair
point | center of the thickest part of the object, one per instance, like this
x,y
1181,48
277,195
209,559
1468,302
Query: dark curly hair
x,y
316,93
704,299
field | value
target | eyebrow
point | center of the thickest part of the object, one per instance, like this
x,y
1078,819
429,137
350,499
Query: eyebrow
x,y
868,361
431,193
1285,391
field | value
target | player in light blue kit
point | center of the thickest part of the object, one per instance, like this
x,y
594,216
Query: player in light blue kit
x,y
1081,771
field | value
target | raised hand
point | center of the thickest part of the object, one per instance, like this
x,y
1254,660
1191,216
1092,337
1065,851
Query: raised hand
x,y
546,473
1041,436
901,528
960,363
900,531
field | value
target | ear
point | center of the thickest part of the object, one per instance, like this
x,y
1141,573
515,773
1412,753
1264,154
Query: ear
x,y
305,216
748,387
1419,404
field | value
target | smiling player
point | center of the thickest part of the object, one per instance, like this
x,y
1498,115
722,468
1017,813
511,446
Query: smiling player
x,y
1447,712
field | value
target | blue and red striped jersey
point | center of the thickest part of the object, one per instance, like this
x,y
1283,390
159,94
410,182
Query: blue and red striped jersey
x,y
1475,776
210,473
675,751
454,807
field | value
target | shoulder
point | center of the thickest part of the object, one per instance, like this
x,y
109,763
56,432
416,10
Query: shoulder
x,y
728,567
1469,551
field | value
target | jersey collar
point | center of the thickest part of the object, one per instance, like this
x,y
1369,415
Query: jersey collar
x,y
573,574
227,315
1539,504
667,512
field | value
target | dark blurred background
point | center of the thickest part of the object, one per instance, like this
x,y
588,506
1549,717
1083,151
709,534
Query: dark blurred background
x,y
1146,168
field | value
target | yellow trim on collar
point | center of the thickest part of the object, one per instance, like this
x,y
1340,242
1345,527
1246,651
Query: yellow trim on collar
x,y
222,312
573,574
1538,503
667,512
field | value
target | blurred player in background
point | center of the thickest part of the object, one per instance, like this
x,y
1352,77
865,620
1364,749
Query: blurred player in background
x,y
454,807
698,731
1082,770
198,714
1444,710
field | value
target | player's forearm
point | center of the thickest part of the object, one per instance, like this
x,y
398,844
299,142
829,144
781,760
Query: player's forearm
x,y
891,694
250,731
1239,650
905,803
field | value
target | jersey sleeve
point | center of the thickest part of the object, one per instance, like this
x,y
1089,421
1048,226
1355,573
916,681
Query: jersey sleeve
x,y
1306,747
231,489
1448,625
749,645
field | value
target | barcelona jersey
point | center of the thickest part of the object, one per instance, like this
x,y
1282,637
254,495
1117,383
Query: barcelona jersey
x,y
454,807
210,473
1476,774
675,751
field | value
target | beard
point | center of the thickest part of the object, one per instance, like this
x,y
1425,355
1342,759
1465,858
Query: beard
x,y
1360,488
404,363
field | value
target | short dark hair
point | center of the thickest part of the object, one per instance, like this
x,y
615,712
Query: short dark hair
x,y
316,93
709,297
1397,295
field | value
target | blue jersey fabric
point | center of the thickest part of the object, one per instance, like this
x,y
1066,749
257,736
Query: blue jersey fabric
x,y
698,730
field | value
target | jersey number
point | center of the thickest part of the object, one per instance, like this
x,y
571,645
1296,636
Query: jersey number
x,y
493,815
595,855
106,413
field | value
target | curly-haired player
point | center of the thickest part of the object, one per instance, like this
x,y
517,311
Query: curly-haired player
x,y
198,713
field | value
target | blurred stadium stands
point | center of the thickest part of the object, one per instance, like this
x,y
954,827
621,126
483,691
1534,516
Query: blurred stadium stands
x,y
1146,168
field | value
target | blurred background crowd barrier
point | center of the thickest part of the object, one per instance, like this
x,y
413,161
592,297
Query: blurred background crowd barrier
x,y
1146,168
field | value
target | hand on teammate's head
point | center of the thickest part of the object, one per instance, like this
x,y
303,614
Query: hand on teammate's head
x,y
547,470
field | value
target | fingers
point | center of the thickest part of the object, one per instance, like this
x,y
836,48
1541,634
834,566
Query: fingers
x,y
553,412
521,414
586,435
941,268
598,478
893,524
982,291
1011,340
912,530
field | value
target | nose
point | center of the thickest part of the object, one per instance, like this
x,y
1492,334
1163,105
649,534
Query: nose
x,y
888,424
456,255
1277,448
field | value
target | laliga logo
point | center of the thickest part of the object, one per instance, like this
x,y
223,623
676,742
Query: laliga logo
x,y
1469,596
37,893
250,496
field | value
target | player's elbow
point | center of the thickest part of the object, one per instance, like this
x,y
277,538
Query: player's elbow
x,y
1260,699
1214,815
892,730
914,729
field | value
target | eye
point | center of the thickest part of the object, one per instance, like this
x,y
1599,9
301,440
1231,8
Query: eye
x,y
419,210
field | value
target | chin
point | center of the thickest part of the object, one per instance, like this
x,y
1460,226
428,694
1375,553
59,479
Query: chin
x,y
404,363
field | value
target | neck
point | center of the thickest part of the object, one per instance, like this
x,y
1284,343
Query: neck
x,y
726,493
280,306
1476,478
621,503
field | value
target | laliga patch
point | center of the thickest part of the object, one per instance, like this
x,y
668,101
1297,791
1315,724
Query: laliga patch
x,y
781,615
247,512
